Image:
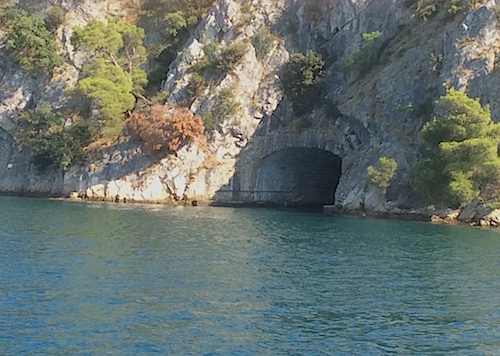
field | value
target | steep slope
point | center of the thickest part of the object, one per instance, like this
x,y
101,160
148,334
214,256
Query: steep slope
x,y
360,115
363,116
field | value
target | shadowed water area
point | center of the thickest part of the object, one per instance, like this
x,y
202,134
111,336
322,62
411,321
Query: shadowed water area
x,y
99,279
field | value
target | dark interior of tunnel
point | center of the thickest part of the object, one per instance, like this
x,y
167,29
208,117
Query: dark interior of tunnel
x,y
298,177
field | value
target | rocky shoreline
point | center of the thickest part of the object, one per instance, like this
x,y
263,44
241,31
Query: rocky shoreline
x,y
359,118
477,214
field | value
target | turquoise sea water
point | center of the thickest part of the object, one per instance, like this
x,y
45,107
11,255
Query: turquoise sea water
x,y
106,279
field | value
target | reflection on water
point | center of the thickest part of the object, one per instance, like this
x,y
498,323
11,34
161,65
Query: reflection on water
x,y
132,279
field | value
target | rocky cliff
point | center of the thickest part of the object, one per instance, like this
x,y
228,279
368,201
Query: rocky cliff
x,y
360,117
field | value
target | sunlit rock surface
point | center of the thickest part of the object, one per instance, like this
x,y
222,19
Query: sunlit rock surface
x,y
363,117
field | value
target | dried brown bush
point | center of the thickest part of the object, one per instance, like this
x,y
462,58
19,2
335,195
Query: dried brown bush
x,y
167,127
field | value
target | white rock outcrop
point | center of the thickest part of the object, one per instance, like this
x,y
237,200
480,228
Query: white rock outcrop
x,y
361,120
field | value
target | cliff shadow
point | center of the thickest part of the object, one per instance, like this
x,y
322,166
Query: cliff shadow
x,y
290,167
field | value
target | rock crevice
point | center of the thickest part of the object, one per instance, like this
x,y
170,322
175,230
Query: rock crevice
x,y
361,116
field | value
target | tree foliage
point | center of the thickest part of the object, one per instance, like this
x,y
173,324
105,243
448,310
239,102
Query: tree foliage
x,y
98,37
167,127
428,8
118,42
461,158
191,11
175,21
382,175
36,122
30,42
109,90
301,78
302,71
112,75
263,42
219,60
363,59
54,18
196,85
59,149
54,145
230,55
225,107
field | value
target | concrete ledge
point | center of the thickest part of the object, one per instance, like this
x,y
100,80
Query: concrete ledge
x,y
329,209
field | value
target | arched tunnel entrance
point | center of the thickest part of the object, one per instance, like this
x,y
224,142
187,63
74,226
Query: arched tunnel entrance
x,y
298,177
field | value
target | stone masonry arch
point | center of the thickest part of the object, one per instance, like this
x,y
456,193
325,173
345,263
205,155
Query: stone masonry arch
x,y
297,176
289,168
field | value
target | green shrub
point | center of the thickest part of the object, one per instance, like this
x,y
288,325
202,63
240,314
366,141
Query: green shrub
x,y
30,42
496,9
54,145
461,153
54,18
404,107
218,60
225,107
211,50
366,57
112,75
247,12
455,6
207,65
426,8
301,78
230,56
33,123
263,42
160,98
61,149
210,121
175,21
302,71
382,175
158,11
196,85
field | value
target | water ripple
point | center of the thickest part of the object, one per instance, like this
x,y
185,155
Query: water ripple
x,y
127,280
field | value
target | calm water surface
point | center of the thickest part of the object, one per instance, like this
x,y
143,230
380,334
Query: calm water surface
x,y
96,279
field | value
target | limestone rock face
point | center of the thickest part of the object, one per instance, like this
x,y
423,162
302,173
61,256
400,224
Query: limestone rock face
x,y
492,219
469,212
19,88
363,116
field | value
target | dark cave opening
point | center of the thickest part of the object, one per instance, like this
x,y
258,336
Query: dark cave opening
x,y
298,177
